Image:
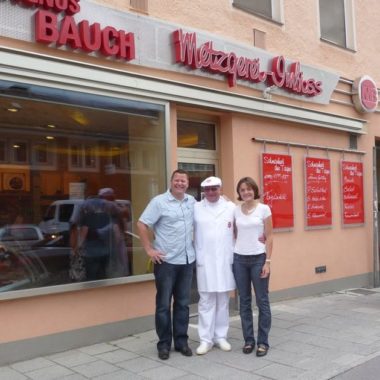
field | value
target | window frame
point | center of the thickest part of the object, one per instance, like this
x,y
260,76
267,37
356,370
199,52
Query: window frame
x,y
277,11
350,31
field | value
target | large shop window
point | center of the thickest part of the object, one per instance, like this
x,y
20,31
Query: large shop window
x,y
337,22
58,148
269,9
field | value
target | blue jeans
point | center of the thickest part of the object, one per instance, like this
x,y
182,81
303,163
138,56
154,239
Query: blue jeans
x,y
172,281
247,270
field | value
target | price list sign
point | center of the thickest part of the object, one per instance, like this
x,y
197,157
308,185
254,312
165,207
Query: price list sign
x,y
318,192
352,192
278,188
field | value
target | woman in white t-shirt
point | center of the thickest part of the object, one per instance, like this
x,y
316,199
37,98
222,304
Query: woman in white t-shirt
x,y
252,253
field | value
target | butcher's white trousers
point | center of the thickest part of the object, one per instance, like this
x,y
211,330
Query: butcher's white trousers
x,y
213,316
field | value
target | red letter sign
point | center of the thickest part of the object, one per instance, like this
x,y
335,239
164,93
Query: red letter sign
x,y
278,188
317,192
352,192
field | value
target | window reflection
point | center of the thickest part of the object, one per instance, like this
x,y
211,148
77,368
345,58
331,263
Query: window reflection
x,y
47,176
197,135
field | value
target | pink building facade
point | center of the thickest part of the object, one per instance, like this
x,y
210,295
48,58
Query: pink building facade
x,y
118,94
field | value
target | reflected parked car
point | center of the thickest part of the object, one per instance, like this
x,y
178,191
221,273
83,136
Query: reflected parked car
x,y
60,213
20,236
27,258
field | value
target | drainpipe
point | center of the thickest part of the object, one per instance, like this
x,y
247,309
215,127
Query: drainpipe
x,y
376,277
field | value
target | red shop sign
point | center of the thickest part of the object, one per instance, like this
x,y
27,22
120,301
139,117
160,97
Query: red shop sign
x,y
317,192
278,188
236,67
352,192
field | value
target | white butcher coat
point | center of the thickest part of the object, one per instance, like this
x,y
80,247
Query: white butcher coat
x,y
214,242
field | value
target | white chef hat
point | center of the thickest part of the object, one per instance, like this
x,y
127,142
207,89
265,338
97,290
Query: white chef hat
x,y
211,181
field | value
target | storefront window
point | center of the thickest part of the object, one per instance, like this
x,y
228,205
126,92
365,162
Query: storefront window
x,y
196,135
58,149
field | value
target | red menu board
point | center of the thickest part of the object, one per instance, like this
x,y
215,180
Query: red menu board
x,y
317,192
278,188
352,192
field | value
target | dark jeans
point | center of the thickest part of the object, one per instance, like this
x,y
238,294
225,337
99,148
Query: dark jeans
x,y
172,281
247,270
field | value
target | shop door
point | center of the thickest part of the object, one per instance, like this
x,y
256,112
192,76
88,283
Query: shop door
x,y
197,153
197,173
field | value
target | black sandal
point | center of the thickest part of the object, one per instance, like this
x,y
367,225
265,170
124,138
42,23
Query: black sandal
x,y
248,348
262,350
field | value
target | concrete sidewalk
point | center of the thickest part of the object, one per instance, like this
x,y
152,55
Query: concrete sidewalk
x,y
332,335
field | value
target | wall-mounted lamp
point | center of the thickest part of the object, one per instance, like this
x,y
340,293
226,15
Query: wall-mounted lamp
x,y
267,92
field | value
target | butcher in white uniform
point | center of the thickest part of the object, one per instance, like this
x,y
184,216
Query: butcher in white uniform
x,y
214,241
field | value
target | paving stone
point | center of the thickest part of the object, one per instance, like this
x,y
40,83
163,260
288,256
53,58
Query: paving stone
x,y
52,372
280,372
120,375
139,364
95,368
117,356
296,347
125,340
74,359
75,376
164,373
98,348
349,359
30,365
7,373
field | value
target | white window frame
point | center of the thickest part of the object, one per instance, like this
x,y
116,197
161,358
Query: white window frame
x,y
51,163
349,20
82,145
277,11
13,159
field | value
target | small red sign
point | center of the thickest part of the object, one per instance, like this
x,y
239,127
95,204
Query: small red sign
x,y
278,188
318,192
365,95
352,192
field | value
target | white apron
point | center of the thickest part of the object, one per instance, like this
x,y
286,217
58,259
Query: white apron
x,y
214,242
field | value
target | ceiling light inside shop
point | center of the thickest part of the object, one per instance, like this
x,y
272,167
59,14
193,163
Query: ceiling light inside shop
x,y
51,126
80,118
14,107
50,137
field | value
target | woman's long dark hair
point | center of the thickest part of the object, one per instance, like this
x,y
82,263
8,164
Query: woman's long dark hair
x,y
250,182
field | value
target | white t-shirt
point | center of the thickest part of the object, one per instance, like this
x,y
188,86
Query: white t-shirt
x,y
249,228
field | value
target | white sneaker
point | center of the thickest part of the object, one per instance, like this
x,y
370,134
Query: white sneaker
x,y
223,345
203,348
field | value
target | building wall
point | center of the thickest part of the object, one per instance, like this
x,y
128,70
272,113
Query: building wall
x,y
347,252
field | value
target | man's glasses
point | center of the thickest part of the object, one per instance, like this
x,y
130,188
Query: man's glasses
x,y
214,188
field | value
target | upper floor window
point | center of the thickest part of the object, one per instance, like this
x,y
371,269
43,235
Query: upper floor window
x,y
337,22
270,9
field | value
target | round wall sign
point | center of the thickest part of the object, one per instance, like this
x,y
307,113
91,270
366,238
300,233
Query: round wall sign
x,y
365,94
